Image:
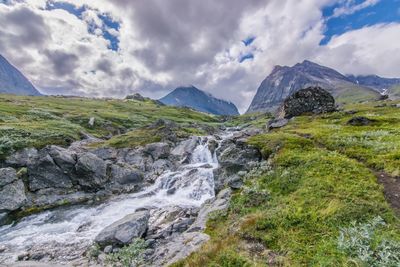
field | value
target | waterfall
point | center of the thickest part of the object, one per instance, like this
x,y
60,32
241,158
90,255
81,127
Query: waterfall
x,y
67,232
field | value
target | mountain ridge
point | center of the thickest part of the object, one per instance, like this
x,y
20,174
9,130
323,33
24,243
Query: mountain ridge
x,y
192,97
284,81
12,81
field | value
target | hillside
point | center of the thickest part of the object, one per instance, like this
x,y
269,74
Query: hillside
x,y
12,81
380,84
284,81
199,100
38,121
327,196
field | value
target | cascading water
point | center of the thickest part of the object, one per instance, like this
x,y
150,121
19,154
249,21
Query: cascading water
x,y
64,234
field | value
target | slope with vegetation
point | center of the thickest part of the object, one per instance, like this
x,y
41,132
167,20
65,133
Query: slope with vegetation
x,y
319,200
39,121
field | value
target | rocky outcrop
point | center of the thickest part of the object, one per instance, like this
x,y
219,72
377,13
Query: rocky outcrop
x,y
122,232
12,191
310,100
91,171
235,157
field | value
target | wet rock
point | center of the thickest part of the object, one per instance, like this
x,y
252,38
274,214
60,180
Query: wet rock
x,y
212,145
22,158
2,249
125,175
359,121
91,171
167,221
3,218
185,148
157,150
12,196
45,173
122,232
279,123
310,100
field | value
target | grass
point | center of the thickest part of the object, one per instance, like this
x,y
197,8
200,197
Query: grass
x,y
319,182
27,121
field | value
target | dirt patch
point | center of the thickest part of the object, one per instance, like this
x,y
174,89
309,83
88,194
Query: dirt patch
x,y
391,189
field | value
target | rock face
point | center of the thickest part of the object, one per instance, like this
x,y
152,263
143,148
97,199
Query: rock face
x,y
122,232
91,171
284,81
199,100
12,190
12,81
310,100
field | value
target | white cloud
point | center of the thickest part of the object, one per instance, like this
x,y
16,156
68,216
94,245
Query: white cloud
x,y
163,44
351,8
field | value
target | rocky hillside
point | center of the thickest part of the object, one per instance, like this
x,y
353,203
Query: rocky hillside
x,y
380,84
284,81
12,81
199,100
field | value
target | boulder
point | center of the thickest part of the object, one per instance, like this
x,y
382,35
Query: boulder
x,y
45,173
63,158
277,123
157,150
22,158
359,121
135,96
125,175
7,176
91,171
122,232
12,195
310,100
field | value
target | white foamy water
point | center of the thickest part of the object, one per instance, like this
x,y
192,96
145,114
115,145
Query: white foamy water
x,y
66,233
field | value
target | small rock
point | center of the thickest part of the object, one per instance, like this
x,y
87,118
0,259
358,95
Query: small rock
x,y
23,256
108,249
351,112
359,121
91,121
150,243
2,248
279,123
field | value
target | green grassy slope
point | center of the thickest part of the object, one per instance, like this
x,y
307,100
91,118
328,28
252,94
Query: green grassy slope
x,y
300,211
38,121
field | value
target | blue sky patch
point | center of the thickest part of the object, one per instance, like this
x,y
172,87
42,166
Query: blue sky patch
x,y
108,22
244,57
248,41
385,11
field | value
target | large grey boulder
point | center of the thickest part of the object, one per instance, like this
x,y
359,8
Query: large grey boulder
x,y
22,158
45,173
122,232
157,150
310,100
91,171
125,175
64,158
12,190
7,176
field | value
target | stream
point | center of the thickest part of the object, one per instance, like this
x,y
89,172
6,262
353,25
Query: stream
x,y
66,233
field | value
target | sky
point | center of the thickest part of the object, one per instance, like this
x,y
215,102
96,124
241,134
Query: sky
x,y
112,48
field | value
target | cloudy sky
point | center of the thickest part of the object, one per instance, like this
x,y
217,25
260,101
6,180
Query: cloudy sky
x,y
225,47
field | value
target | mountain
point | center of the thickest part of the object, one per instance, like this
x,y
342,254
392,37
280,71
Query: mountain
x,y
284,81
199,100
12,81
380,84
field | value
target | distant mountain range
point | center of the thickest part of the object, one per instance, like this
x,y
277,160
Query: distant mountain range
x,y
12,81
284,81
380,84
199,100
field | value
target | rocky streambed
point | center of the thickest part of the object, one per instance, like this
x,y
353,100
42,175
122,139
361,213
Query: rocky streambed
x,y
56,203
